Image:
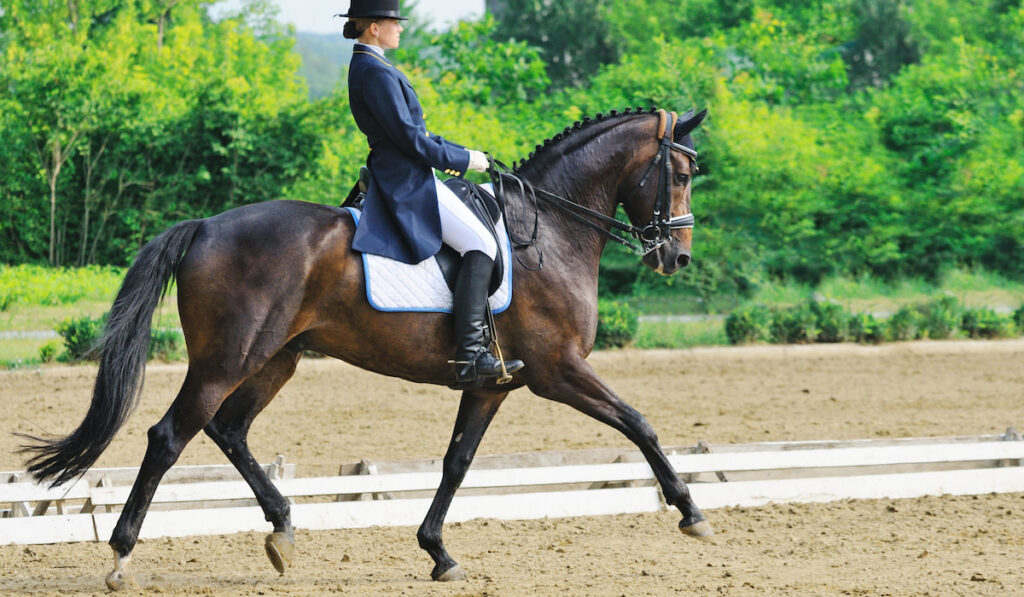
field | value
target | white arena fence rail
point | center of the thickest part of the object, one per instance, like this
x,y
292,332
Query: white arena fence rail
x,y
518,486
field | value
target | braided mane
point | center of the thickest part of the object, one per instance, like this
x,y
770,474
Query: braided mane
x,y
577,126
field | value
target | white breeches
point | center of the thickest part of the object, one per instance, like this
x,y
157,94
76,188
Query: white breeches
x,y
460,229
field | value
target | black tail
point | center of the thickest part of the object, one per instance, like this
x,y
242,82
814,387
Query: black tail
x,y
124,348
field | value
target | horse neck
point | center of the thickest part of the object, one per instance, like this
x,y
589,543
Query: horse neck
x,y
587,171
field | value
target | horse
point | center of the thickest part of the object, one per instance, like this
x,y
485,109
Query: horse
x,y
260,284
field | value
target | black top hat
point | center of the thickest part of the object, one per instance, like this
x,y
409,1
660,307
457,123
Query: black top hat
x,y
365,9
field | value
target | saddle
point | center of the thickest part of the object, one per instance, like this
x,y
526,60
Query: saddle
x,y
479,201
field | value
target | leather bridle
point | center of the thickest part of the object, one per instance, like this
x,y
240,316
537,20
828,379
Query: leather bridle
x,y
651,236
658,231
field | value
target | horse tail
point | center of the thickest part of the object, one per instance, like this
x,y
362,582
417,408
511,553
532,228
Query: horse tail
x,y
123,351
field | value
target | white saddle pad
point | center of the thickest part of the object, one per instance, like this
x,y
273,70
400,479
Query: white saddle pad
x,y
395,286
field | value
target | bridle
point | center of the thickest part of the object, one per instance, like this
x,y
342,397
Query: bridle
x,y
658,231
651,235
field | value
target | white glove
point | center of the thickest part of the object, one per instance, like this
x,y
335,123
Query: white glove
x,y
478,161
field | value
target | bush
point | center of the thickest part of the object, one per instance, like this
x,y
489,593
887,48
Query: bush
x,y
796,325
1018,319
48,351
616,324
832,321
81,336
940,318
165,345
749,324
986,323
905,324
864,328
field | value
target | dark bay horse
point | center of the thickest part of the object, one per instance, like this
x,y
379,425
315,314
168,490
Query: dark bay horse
x,y
260,284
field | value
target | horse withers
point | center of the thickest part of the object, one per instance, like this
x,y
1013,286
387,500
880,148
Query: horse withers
x,y
260,284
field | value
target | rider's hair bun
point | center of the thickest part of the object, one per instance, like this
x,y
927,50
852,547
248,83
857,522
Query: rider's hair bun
x,y
350,31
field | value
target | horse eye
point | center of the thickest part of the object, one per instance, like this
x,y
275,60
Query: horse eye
x,y
682,179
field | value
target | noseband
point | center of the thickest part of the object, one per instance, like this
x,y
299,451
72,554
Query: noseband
x,y
652,235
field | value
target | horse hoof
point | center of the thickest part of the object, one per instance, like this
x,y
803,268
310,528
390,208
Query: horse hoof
x,y
280,550
455,573
699,530
118,580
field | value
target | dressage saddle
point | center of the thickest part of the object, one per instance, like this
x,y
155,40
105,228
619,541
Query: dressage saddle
x,y
483,205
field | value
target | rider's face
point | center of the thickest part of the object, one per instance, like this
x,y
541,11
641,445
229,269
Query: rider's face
x,y
389,33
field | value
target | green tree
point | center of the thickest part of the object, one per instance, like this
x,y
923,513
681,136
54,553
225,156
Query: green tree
x,y
574,37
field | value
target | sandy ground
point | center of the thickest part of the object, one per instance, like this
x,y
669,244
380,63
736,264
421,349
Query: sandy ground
x,y
332,413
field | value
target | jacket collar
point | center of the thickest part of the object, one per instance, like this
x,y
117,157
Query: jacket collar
x,y
372,52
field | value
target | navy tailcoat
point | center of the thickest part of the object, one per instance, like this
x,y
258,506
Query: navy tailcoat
x,y
400,216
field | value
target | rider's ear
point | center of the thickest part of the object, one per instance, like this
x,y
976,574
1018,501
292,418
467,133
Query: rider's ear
x,y
688,122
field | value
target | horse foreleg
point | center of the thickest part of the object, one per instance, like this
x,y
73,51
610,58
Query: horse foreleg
x,y
190,412
476,410
229,430
580,387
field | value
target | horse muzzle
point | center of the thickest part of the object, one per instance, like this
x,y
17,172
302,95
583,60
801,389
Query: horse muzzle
x,y
667,259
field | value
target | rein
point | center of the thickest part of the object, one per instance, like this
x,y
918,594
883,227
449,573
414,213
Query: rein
x,y
651,236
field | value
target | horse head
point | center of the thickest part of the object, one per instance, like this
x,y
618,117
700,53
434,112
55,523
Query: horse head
x,y
658,192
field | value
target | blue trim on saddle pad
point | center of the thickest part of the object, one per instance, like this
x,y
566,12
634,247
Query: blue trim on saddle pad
x,y
369,293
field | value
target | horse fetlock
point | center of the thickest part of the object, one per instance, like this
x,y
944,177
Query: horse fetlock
x,y
281,550
428,540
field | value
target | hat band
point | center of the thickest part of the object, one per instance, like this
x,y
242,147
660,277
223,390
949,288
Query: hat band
x,y
381,14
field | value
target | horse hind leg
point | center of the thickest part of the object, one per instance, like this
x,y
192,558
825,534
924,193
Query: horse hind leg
x,y
229,429
195,405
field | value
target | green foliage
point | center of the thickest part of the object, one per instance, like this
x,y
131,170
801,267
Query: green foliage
x,y
617,324
166,345
940,318
870,139
576,40
1018,319
749,324
473,68
986,323
82,334
832,321
865,329
905,324
795,325
137,117
38,285
884,43
48,351
81,337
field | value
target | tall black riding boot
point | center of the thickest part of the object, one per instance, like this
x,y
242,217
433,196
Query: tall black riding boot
x,y
473,362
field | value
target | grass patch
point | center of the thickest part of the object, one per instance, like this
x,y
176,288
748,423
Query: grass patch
x,y
973,289
40,285
25,350
43,317
681,334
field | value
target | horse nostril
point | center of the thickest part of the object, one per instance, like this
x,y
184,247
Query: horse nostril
x,y
683,260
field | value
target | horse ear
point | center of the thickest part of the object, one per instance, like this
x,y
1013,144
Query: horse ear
x,y
688,122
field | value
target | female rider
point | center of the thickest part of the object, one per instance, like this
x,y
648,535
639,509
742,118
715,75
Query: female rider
x,y
408,212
